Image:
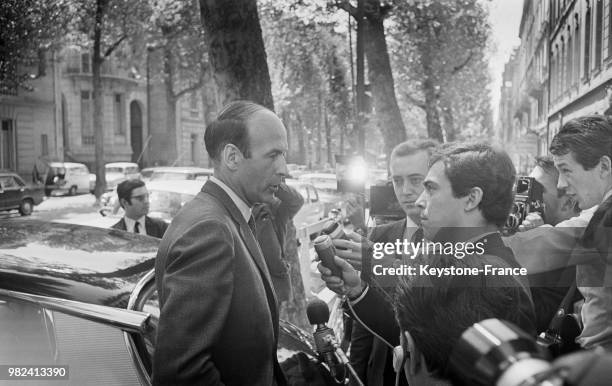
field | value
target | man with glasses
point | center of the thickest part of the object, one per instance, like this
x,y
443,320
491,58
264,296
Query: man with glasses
x,y
134,199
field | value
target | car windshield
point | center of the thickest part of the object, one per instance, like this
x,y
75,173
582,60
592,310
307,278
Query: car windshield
x,y
167,204
171,176
115,169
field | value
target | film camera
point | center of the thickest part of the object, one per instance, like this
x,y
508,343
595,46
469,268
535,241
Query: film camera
x,y
496,352
527,199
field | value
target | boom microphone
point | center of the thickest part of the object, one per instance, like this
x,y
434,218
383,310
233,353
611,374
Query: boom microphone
x,y
325,342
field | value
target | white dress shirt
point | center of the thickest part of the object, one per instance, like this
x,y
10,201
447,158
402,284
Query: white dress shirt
x,y
131,223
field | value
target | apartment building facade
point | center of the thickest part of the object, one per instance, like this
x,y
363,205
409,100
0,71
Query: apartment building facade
x,y
54,120
561,70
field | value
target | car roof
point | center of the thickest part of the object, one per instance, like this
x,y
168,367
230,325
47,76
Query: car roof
x,y
330,176
182,169
191,187
66,164
75,262
121,164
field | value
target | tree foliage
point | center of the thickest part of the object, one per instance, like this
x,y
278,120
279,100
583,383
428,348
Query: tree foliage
x,y
28,29
440,47
309,73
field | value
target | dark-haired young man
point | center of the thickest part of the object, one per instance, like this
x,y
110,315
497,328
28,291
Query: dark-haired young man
x,y
582,152
134,199
218,310
467,198
433,313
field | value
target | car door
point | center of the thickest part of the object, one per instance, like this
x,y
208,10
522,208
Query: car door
x,y
11,191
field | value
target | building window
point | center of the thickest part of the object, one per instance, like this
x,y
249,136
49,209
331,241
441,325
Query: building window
x,y
44,145
85,62
587,42
609,30
119,114
562,68
194,148
577,51
87,134
598,34
570,63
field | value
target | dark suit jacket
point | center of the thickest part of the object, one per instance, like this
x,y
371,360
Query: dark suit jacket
x,y
371,357
378,314
153,226
218,313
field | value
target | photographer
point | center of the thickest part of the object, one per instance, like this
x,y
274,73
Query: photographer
x,y
548,288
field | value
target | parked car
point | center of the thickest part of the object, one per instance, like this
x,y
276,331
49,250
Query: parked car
x,y
314,209
165,199
16,194
67,177
180,173
117,172
85,298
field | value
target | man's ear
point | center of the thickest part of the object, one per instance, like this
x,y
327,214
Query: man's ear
x,y
474,197
123,202
605,166
231,156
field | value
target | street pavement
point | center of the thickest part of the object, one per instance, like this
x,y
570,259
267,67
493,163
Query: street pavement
x,y
77,209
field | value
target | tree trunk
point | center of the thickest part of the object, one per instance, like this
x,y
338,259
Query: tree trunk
x,y
319,129
299,131
381,78
449,121
169,138
294,311
236,50
328,138
98,100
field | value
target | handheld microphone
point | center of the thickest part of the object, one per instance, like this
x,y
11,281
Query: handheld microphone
x,y
326,344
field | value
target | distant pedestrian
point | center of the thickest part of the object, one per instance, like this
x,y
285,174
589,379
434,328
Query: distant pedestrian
x,y
134,199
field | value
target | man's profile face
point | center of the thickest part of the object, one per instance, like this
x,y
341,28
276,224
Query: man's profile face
x,y
407,174
584,186
140,203
260,175
440,208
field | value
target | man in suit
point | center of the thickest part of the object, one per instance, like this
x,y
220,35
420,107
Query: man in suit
x,y
134,199
466,198
218,310
408,164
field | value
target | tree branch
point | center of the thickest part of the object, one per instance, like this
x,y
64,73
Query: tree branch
x,y
191,88
345,5
415,101
114,46
458,68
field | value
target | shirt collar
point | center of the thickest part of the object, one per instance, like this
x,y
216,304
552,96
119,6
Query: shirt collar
x,y
130,223
244,209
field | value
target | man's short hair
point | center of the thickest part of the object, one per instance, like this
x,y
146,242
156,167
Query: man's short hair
x,y
436,310
125,188
413,146
231,127
588,138
469,165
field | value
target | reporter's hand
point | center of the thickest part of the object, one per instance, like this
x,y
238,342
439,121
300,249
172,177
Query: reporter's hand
x,y
532,220
351,250
349,284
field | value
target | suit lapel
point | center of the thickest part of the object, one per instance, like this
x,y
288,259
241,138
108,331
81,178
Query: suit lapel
x,y
247,236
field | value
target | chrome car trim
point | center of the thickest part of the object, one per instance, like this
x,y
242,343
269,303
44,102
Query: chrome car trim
x,y
133,352
139,287
50,326
128,320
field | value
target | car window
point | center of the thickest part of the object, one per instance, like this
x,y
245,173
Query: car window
x,y
132,169
169,176
7,182
167,203
18,181
114,169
